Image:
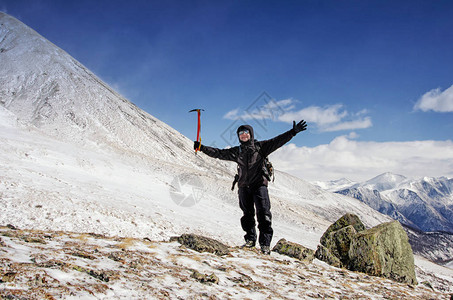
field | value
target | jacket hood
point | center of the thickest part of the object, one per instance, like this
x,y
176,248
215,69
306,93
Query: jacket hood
x,y
252,136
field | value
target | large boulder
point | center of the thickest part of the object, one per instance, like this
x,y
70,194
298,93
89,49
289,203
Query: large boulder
x,y
383,251
294,250
336,241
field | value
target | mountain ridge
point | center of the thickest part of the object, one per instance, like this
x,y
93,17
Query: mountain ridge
x,y
57,94
425,203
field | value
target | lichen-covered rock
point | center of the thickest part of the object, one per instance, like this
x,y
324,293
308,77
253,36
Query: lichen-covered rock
x,y
339,242
324,254
345,221
383,251
294,250
203,244
337,239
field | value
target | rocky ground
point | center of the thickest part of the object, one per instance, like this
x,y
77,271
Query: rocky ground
x,y
54,265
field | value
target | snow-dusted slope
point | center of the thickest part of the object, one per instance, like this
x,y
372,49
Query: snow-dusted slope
x,y
67,265
44,86
47,183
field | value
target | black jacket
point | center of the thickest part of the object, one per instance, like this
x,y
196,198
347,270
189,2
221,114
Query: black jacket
x,y
250,161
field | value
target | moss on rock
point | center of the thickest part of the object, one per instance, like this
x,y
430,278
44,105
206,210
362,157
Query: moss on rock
x,y
202,244
294,250
384,251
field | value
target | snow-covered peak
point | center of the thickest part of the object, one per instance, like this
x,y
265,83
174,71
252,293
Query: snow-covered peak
x,y
44,86
383,182
334,185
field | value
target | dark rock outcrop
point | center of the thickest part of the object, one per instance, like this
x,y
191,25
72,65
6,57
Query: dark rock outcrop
x,y
202,244
294,250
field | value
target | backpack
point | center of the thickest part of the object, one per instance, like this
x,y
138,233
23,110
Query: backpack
x,y
268,169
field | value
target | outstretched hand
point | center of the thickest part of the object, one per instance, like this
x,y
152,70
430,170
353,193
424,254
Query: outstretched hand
x,y
301,126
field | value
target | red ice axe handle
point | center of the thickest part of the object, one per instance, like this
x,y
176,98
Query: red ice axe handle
x,y
198,127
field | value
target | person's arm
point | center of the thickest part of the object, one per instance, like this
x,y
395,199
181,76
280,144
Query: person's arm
x,y
269,146
223,154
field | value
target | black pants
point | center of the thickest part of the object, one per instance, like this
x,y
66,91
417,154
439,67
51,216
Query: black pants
x,y
249,199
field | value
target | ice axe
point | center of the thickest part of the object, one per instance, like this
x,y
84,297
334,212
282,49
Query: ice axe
x,y
198,110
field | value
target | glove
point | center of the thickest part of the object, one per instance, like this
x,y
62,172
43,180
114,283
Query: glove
x,y
301,126
196,145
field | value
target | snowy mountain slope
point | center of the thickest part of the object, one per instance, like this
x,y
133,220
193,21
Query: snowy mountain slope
x,y
374,199
43,85
435,246
46,183
78,157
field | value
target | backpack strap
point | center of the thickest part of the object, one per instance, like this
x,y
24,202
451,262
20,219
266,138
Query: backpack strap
x,y
236,179
267,164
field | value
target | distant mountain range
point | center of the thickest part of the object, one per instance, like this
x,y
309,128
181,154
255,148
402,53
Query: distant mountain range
x,y
424,204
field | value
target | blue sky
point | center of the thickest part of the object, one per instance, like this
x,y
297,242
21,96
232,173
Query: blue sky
x,y
372,78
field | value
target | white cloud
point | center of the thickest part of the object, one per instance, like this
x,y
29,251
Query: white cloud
x,y
436,100
328,118
232,115
269,110
359,161
320,115
350,125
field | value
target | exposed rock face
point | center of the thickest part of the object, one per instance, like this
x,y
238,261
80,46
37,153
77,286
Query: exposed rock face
x,y
294,250
336,241
202,244
324,254
344,221
383,251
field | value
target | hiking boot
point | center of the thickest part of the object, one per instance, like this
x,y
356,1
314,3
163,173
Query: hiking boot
x,y
266,250
248,244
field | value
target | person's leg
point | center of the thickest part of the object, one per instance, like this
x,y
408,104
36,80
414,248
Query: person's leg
x,y
264,216
247,206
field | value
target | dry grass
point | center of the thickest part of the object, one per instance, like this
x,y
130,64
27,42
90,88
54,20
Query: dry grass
x,y
126,243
